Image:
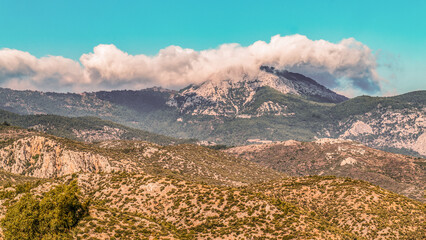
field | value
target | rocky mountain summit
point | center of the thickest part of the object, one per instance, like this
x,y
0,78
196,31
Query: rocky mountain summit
x,y
231,97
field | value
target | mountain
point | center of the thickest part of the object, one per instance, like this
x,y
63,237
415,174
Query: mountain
x,y
87,129
166,190
272,106
123,107
390,123
345,158
137,189
235,97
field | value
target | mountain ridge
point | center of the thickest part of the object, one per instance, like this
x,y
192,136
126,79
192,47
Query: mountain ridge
x,y
41,155
394,124
87,129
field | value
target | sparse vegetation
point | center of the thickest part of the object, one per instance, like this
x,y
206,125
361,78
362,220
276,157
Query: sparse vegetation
x,y
402,174
185,191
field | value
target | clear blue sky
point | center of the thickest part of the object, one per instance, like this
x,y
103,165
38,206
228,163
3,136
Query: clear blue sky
x,y
396,29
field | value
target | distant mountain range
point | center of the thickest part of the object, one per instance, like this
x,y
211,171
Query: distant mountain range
x,y
87,129
271,106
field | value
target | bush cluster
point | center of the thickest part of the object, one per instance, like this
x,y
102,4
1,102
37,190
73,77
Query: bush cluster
x,y
51,217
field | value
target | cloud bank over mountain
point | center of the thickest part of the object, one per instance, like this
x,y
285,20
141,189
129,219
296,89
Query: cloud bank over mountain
x,y
344,65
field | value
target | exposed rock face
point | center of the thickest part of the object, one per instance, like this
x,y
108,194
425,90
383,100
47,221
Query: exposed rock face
x,y
358,128
105,134
420,144
270,107
349,161
38,156
387,128
231,97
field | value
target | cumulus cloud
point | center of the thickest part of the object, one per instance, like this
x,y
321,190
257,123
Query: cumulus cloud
x,y
21,70
348,63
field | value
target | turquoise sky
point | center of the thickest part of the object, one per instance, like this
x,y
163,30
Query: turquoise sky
x,y
395,30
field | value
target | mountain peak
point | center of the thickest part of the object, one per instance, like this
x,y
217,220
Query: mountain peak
x,y
229,97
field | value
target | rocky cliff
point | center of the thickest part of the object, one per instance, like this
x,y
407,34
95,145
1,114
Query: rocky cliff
x,y
42,157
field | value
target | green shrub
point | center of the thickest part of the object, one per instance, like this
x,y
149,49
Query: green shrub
x,y
52,217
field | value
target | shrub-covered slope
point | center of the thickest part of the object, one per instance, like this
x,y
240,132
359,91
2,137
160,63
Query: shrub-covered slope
x,y
88,129
41,155
136,205
143,190
402,174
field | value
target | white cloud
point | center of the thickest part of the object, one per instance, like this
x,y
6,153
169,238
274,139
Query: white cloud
x,y
110,68
21,70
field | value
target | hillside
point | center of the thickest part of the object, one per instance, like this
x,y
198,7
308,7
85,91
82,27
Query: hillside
x,y
127,112
394,124
363,209
143,190
40,155
398,173
134,205
87,129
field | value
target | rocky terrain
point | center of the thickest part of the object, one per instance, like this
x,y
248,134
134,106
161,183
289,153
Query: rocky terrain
x,y
144,190
387,128
399,173
40,155
234,97
356,206
137,205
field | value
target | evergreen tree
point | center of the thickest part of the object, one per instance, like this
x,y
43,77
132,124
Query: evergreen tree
x,y
52,217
